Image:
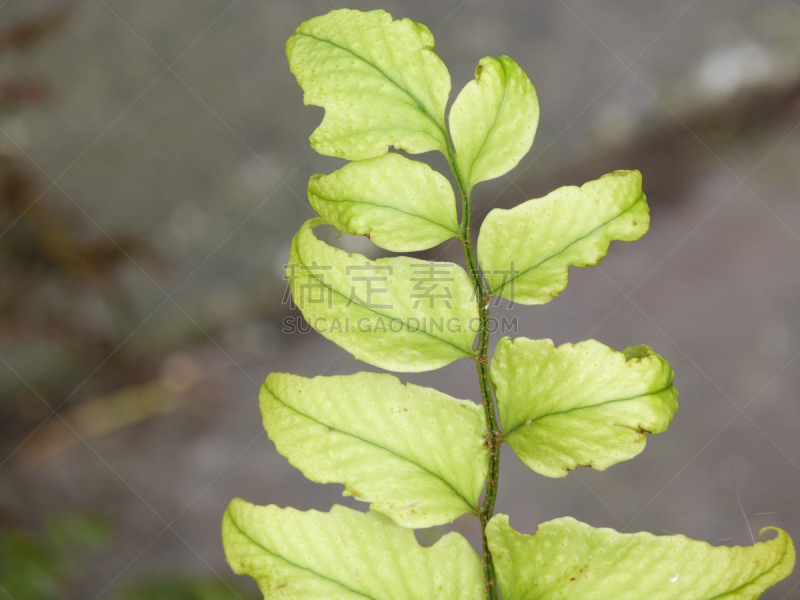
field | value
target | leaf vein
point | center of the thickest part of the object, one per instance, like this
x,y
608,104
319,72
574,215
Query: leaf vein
x,y
512,277
376,444
419,103
384,206
587,407
494,123
777,564
380,314
304,568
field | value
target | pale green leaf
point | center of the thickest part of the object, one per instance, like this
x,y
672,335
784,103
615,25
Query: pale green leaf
x,y
345,555
416,454
525,252
569,560
379,81
579,404
400,204
400,314
493,120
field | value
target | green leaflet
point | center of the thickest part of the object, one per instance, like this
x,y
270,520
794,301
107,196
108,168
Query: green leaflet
x,y
569,560
400,314
525,252
493,120
400,204
579,404
345,555
379,81
416,454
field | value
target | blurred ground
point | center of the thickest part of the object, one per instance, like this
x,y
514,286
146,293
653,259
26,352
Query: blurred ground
x,y
171,141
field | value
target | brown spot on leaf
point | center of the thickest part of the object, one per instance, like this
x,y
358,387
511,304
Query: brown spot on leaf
x,y
348,491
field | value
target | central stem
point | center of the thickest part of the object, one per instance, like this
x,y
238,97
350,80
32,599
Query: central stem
x,y
492,439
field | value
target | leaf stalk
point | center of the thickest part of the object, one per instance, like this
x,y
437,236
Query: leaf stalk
x,y
493,435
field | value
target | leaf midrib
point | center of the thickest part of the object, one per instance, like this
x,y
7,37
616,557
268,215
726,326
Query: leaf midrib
x,y
753,581
419,103
387,207
497,292
304,568
494,123
372,310
372,443
587,407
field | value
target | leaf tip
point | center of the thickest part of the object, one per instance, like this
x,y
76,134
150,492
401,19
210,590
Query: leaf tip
x,y
780,534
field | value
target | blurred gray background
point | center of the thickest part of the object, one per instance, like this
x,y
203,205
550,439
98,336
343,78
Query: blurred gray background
x,y
154,157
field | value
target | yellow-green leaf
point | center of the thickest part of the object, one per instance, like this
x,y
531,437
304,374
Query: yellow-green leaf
x,y
526,251
416,454
400,204
401,314
493,120
345,555
379,81
579,404
569,560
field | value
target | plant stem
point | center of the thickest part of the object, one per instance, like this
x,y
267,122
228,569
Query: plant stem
x,y
481,360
